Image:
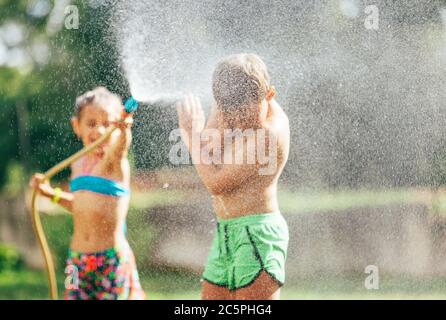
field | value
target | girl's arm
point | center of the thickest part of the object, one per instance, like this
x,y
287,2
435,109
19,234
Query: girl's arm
x,y
119,149
63,198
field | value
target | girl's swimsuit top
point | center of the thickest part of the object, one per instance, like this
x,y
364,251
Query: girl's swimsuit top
x,y
98,185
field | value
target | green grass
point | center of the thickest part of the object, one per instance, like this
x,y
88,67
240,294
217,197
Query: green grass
x,y
156,198
162,284
23,285
306,202
171,285
292,202
31,285
351,286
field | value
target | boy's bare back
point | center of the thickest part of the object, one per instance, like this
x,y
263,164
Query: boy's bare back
x,y
254,138
256,190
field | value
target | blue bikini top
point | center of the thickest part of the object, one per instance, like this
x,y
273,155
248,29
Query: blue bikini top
x,y
98,185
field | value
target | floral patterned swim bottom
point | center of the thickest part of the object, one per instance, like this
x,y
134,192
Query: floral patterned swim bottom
x,y
104,275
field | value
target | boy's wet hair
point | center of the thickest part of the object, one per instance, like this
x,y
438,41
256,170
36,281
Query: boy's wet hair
x,y
239,81
99,96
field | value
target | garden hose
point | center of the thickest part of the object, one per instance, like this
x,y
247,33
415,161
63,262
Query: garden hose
x,y
130,106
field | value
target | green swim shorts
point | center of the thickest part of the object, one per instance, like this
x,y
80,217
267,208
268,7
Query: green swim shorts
x,y
244,247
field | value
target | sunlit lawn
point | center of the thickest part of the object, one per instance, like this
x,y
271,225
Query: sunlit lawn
x,y
297,202
162,284
176,285
324,201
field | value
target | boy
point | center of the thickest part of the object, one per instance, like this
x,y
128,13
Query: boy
x,y
248,254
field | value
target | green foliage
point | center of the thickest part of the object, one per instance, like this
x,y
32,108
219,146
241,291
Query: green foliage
x,y
58,230
9,258
15,179
39,134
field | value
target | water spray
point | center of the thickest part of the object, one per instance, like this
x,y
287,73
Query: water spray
x,y
130,106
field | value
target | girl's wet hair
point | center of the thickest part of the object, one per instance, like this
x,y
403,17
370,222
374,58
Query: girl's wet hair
x,y
100,96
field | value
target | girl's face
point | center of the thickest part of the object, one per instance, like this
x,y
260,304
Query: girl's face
x,y
92,123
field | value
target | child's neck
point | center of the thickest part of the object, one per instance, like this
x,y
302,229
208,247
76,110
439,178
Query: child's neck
x,y
89,162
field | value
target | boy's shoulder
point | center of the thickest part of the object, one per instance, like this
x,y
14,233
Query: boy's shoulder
x,y
279,121
279,128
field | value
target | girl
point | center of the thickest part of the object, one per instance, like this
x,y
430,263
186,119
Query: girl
x,y
99,201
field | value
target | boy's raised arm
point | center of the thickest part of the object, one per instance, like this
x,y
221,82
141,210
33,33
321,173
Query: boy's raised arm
x,y
225,178
217,178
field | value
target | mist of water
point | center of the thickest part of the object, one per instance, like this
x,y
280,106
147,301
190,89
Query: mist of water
x,y
165,53
365,105
366,109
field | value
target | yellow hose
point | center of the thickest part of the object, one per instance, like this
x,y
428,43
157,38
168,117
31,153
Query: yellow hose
x,y
38,229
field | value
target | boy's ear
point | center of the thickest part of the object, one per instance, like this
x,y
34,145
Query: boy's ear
x,y
75,125
271,93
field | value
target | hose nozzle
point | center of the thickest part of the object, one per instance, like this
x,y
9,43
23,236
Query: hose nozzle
x,y
131,105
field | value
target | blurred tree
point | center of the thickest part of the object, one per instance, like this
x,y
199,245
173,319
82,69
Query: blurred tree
x,y
43,67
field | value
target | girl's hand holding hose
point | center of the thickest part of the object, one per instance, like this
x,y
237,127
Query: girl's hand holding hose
x,y
42,185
